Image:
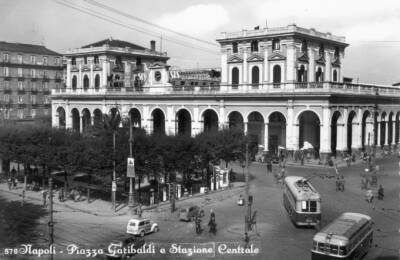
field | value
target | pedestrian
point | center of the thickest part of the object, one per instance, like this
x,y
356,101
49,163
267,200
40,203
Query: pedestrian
x,y
380,193
9,183
363,183
246,240
44,194
336,170
369,196
61,194
337,183
212,214
15,182
342,182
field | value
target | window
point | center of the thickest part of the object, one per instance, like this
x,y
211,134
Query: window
x,y
20,113
33,73
73,61
34,86
276,74
19,58
304,46
33,59
313,206
6,98
74,82
19,72
254,46
321,50
319,75
337,53
302,74
255,76
321,247
46,100
20,99
44,74
20,85
85,82
335,76
46,112
5,57
235,77
182,83
57,61
334,249
45,85
97,81
96,59
342,250
33,99
6,71
44,60
85,60
276,44
33,113
235,47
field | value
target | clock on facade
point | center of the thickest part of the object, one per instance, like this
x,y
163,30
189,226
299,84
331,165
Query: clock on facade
x,y
157,75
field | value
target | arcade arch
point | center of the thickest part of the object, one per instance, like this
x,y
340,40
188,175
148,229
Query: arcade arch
x,y
235,120
183,123
309,130
276,131
210,120
158,121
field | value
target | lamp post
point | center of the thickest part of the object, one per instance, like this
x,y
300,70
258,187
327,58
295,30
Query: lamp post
x,y
131,178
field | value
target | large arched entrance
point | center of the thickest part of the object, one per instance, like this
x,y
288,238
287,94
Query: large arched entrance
x,y
351,133
183,123
97,118
158,119
255,129
135,117
235,120
85,120
336,131
383,129
276,132
367,130
210,120
61,117
75,120
309,131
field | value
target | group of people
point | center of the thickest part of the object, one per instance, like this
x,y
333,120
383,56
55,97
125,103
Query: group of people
x,y
340,182
211,223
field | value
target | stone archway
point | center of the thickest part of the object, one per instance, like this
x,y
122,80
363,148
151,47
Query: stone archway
x,y
309,131
255,128
135,117
86,119
383,126
61,117
76,124
276,132
235,121
336,131
158,120
367,130
389,125
210,120
97,118
183,123
351,130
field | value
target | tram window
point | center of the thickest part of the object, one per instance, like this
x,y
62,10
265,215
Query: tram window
x,y
304,206
342,250
321,247
313,206
334,249
314,245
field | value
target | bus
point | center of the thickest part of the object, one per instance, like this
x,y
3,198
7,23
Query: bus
x,y
301,201
347,237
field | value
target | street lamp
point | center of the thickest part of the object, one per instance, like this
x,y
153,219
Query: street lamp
x,y
131,171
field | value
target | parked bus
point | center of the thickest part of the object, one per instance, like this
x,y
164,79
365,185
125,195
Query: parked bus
x,y
347,237
302,201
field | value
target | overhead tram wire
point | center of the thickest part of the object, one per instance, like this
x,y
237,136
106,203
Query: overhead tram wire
x,y
111,9
141,30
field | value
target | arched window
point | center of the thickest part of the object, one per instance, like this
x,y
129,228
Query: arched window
x,y
85,82
254,46
97,81
255,76
74,82
335,77
73,61
302,74
96,59
277,74
235,47
235,77
276,44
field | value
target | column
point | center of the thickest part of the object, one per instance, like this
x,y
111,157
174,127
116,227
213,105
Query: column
x,y
245,67
311,66
80,123
145,119
325,131
394,132
195,120
357,136
68,83
221,117
91,85
378,138
266,69
266,136
68,117
55,122
328,66
80,77
170,122
246,124
345,128
291,62
386,133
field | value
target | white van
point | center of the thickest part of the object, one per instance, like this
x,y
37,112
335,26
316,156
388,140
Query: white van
x,y
141,227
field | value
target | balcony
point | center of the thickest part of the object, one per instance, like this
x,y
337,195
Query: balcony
x,y
34,78
21,91
7,90
21,77
268,89
46,78
7,77
34,91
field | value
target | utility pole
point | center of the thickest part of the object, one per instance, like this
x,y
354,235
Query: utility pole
x,y
246,229
51,223
114,184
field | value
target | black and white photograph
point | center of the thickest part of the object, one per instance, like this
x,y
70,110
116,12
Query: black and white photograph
x,y
189,129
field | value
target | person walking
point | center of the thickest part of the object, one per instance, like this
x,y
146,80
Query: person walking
x,y
342,183
44,195
337,184
369,196
380,193
9,182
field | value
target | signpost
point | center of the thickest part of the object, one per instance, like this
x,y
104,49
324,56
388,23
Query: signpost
x,y
130,169
114,186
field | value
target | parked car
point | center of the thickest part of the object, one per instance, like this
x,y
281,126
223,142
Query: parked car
x,y
190,213
141,226
117,245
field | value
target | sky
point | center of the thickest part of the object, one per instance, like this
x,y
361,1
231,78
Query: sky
x,y
370,27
